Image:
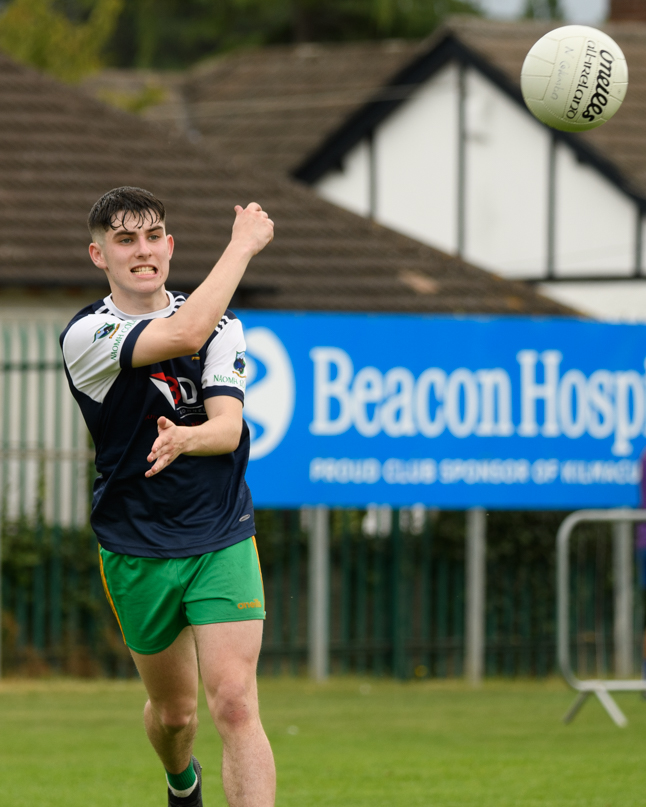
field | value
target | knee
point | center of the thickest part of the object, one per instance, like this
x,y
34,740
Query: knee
x,y
176,716
233,707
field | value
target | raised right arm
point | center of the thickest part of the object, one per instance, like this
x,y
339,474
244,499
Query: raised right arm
x,y
187,330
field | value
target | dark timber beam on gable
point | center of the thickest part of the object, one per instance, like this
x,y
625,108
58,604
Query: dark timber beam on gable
x,y
450,48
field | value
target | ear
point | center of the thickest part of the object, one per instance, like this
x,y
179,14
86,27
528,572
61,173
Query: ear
x,y
96,254
171,245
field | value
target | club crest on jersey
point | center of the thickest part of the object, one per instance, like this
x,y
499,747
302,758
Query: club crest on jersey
x,y
239,365
109,329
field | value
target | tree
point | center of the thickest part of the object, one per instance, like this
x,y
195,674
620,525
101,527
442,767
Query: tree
x,y
36,32
176,33
71,38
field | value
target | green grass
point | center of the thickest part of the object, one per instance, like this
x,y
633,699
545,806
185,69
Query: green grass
x,y
81,744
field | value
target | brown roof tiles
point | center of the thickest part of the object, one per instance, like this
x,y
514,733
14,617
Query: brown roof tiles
x,y
60,150
276,105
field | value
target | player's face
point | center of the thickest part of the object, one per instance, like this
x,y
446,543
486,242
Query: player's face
x,y
135,256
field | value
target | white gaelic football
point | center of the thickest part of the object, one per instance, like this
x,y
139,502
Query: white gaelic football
x,y
574,78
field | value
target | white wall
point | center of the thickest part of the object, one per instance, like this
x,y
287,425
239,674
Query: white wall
x,y
623,301
507,152
416,163
507,166
595,222
349,187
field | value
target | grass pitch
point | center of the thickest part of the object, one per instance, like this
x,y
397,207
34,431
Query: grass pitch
x,y
348,743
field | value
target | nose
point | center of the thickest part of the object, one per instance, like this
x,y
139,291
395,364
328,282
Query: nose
x,y
143,247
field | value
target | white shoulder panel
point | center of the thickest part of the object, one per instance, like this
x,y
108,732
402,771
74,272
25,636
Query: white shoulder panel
x,y
92,350
225,357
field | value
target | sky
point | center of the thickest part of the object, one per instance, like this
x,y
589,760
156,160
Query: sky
x,y
583,12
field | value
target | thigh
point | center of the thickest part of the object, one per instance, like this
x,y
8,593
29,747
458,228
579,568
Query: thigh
x,y
228,654
172,674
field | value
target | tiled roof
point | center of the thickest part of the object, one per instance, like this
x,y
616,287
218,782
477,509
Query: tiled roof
x,y
60,150
276,105
272,105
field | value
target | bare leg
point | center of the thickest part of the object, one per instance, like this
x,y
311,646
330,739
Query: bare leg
x,y
170,715
228,655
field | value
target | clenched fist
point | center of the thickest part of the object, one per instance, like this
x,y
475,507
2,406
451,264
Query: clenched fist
x,y
252,229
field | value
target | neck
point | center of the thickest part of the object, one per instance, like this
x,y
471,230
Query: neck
x,y
140,303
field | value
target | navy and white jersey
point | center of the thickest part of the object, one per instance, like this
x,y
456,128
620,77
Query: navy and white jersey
x,y
196,504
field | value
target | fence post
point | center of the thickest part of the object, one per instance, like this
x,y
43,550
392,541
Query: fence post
x,y
475,594
622,556
318,593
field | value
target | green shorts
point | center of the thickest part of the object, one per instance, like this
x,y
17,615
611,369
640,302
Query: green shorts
x,y
154,599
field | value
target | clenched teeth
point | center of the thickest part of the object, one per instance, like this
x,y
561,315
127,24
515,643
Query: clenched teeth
x,y
139,270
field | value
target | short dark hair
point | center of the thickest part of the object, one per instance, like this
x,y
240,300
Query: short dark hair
x,y
110,211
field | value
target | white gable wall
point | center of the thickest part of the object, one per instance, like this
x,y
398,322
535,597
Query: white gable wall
x,y
611,301
349,187
506,171
416,164
407,177
595,222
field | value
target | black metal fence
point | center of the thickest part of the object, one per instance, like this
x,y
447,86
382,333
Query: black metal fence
x,y
397,596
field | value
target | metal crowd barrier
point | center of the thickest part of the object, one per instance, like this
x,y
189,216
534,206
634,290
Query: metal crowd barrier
x,y
585,688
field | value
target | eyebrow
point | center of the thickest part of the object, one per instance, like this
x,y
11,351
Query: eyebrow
x,y
120,231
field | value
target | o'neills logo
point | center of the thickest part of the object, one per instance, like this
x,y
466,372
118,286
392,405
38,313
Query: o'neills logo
x,y
599,98
602,88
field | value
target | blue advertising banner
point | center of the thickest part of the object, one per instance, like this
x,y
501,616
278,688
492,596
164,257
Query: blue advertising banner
x,y
447,411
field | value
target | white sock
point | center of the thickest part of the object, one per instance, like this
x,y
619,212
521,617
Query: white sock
x,y
182,794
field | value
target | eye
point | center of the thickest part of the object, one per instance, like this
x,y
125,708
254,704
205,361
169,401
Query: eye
x,y
126,240
154,238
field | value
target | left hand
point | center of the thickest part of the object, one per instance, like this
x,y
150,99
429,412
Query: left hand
x,y
170,443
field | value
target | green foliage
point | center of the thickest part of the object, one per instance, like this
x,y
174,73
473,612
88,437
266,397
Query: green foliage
x,y
51,587
72,38
176,33
37,33
137,102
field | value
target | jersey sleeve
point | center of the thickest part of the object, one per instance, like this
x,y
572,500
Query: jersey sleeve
x,y
224,370
96,348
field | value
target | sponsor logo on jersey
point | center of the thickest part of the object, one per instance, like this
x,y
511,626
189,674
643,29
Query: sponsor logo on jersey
x,y
253,604
229,379
181,394
168,386
271,391
109,329
114,353
239,365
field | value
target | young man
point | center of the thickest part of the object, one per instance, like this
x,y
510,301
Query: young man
x,y
160,379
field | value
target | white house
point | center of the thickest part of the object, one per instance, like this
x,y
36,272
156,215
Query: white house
x,y
447,153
